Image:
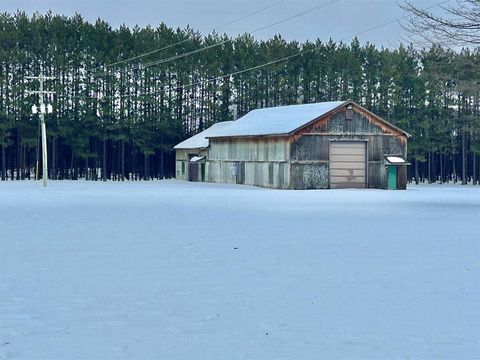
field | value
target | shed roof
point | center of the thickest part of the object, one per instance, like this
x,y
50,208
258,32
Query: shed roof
x,y
200,141
276,120
281,120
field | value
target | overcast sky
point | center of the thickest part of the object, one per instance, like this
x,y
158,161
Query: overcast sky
x,y
337,21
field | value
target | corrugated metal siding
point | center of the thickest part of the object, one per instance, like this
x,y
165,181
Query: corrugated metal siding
x,y
181,170
181,155
310,147
181,164
261,161
249,149
402,178
377,175
264,174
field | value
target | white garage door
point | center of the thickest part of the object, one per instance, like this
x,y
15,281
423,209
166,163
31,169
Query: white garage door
x,y
347,164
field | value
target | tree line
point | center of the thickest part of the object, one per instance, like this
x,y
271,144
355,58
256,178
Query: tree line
x,y
121,122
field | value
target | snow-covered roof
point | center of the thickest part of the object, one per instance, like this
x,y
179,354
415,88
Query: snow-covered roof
x,y
200,140
276,120
197,158
395,160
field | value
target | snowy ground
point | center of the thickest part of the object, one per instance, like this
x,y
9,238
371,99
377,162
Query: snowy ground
x,y
176,270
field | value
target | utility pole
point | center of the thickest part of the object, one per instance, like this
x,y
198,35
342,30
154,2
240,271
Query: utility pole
x,y
42,110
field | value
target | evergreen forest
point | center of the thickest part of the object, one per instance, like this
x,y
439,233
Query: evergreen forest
x,y
121,121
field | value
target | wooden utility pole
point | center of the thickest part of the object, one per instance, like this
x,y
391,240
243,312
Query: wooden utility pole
x,y
43,109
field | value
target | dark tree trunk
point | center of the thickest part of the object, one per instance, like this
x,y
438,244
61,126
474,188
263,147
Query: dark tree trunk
x,y
474,169
122,176
104,168
145,168
4,167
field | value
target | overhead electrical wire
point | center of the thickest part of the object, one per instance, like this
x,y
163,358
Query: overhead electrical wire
x,y
186,39
196,51
248,15
270,62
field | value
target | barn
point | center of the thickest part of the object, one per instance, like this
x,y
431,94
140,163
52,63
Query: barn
x,y
336,144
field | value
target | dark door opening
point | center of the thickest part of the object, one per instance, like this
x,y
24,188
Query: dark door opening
x,y
193,171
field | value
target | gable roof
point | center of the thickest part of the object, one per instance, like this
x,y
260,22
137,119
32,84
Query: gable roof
x,y
284,120
200,141
279,120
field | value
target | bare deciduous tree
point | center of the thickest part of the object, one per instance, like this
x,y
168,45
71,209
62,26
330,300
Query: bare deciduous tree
x,y
458,25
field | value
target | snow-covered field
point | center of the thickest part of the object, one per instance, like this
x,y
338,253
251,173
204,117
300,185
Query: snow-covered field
x,y
177,270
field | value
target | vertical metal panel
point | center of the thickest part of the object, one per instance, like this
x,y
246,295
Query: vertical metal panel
x,y
375,148
241,173
249,173
265,174
310,148
402,178
393,145
258,161
180,170
376,175
280,175
270,173
249,149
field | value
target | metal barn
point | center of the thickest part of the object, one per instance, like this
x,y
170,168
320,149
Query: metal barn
x,y
335,144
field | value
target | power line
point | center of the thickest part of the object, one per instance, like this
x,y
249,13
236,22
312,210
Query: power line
x,y
141,55
251,14
180,56
196,51
286,58
185,40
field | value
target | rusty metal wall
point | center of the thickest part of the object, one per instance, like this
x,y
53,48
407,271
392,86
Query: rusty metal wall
x,y
249,149
259,161
258,173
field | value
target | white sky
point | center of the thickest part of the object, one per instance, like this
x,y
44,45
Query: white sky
x,y
337,21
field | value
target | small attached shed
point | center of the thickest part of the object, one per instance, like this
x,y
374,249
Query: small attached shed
x,y
190,155
334,145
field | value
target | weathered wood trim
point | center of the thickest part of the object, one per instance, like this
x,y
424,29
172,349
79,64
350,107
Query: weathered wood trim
x,y
191,149
310,162
320,118
384,125
249,161
346,134
247,136
369,113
